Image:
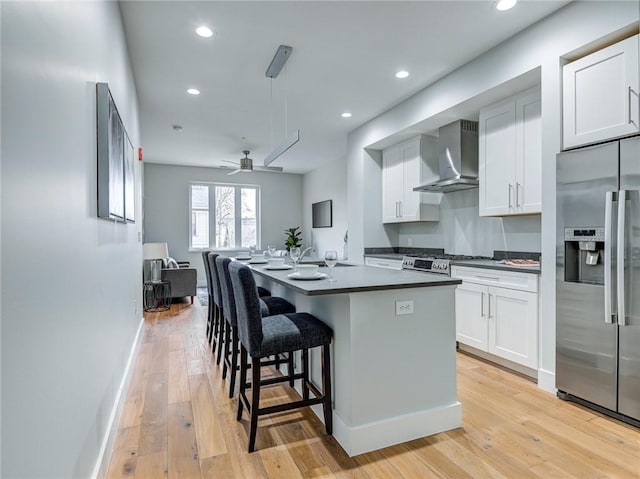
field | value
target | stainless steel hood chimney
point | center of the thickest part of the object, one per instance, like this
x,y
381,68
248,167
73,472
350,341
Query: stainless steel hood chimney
x,y
458,158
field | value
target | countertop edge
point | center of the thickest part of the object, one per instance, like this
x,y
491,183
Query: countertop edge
x,y
447,281
497,266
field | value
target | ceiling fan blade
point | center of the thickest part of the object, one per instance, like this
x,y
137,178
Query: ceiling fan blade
x,y
275,169
232,162
234,172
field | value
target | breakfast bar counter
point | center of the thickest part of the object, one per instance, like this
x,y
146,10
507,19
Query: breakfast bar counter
x,y
393,350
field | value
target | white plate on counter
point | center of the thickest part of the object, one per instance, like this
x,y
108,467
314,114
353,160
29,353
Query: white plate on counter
x,y
279,268
243,258
297,276
258,261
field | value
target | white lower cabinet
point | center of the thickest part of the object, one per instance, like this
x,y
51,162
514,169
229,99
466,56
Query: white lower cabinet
x,y
383,262
502,321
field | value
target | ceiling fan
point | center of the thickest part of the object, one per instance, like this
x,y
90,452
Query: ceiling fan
x,y
246,165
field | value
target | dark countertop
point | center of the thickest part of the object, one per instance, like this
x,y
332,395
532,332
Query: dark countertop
x,y
356,279
494,264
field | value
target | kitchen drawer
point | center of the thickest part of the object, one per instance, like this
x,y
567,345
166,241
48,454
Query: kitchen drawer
x,y
503,279
383,262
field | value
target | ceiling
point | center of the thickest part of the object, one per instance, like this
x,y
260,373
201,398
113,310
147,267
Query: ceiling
x,y
345,56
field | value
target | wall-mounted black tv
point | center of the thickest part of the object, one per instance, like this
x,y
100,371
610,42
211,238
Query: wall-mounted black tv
x,y
322,214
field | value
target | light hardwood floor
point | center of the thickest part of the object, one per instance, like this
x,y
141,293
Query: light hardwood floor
x,y
179,423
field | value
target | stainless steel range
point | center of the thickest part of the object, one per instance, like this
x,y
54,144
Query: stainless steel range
x,y
440,264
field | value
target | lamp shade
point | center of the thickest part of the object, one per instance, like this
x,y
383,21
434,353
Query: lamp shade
x,y
155,250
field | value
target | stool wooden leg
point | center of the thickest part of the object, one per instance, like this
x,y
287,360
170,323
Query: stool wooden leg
x,y
326,389
227,344
220,335
243,381
305,373
291,368
234,360
255,402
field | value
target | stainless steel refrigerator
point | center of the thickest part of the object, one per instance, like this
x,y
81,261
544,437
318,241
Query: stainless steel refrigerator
x,y
598,278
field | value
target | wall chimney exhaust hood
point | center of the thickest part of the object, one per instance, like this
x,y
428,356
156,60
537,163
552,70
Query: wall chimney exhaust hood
x,y
457,158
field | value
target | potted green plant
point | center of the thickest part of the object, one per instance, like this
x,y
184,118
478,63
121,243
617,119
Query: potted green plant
x,y
293,238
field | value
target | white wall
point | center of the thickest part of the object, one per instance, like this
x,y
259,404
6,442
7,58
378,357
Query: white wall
x,y
71,283
326,183
166,205
540,46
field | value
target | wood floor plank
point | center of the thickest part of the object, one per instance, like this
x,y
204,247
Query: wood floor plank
x,y
207,424
178,378
153,433
219,467
125,454
510,428
182,451
134,403
152,466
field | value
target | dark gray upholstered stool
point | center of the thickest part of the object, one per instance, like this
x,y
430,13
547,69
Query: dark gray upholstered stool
x,y
210,303
272,335
269,305
217,299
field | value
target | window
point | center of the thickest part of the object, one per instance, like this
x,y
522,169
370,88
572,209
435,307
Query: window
x,y
235,222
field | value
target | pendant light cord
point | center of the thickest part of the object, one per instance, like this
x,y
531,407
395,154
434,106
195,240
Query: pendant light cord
x,y
271,111
286,97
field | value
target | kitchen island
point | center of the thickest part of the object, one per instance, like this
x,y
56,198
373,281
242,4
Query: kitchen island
x,y
394,347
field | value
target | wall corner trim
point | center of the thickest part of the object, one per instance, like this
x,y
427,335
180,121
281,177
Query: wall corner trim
x,y
104,456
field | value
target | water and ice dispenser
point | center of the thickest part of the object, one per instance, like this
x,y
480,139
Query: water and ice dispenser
x,y
584,255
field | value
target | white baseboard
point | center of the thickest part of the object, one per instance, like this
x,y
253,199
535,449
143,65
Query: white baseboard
x,y
104,456
388,432
547,380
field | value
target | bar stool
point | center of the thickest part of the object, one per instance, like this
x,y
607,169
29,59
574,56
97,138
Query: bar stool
x,y
269,305
262,337
210,304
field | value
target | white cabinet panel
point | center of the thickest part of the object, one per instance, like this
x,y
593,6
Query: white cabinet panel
x,y
513,326
497,158
528,153
405,166
600,95
471,315
392,184
510,156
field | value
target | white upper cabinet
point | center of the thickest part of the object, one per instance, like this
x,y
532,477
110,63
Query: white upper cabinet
x,y
600,95
510,156
405,166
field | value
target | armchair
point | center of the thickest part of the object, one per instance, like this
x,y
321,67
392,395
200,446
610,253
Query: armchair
x,y
183,280
158,265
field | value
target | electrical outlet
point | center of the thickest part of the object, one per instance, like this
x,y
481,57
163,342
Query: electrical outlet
x,y
404,307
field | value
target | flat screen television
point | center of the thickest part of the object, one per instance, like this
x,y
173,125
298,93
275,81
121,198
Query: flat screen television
x,y
322,214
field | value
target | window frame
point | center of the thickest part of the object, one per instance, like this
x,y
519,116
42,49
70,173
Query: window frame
x,y
237,214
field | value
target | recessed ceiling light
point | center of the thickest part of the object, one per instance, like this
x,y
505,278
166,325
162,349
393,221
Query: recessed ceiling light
x,y
346,114
193,91
402,74
503,5
204,31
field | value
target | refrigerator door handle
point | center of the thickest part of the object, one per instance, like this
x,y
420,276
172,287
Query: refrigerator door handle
x,y
608,236
622,197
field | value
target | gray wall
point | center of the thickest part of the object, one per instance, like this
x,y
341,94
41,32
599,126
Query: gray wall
x,y
71,283
328,182
166,205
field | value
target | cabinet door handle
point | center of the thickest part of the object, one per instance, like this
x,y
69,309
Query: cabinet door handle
x,y
629,112
400,208
396,209
517,193
482,304
489,303
510,188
